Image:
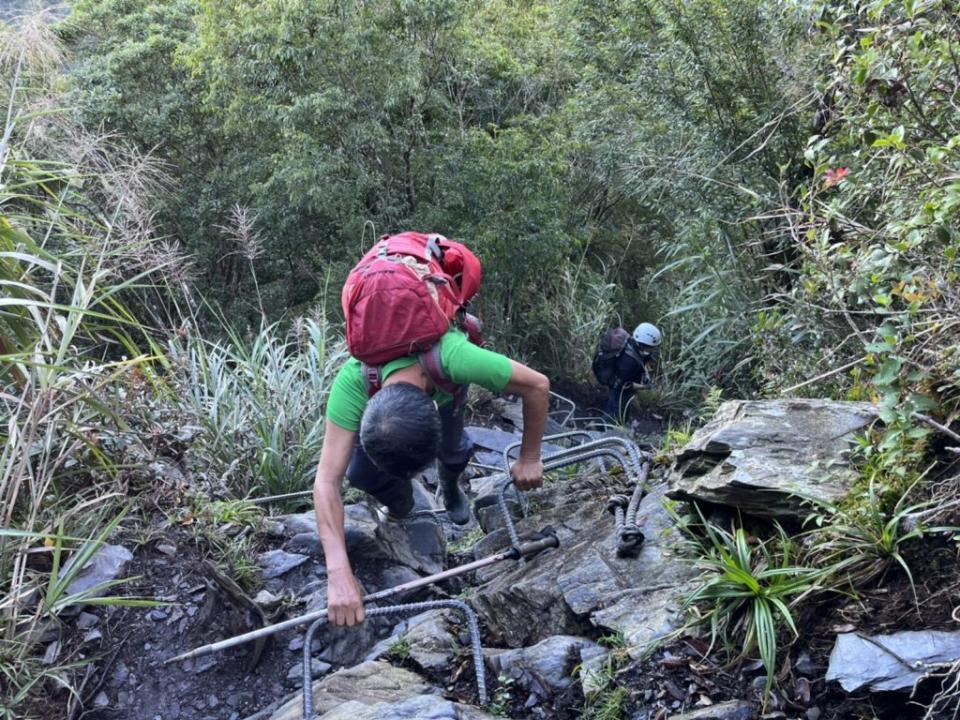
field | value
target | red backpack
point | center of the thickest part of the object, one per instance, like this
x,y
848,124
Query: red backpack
x,y
404,295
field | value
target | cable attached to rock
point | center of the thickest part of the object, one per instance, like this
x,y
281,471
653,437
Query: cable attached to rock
x,y
626,453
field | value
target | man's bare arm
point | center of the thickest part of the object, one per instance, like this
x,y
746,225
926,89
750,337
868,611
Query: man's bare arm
x,y
343,591
534,389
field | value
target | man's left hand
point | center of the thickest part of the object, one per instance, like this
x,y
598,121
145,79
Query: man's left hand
x,y
527,474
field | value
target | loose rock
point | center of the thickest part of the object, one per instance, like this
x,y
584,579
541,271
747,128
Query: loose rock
x,y
318,668
732,710
550,660
106,564
279,562
890,662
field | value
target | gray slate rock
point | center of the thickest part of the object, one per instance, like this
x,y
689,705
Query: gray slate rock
x,y
341,645
366,684
86,620
419,541
279,562
497,441
299,523
548,662
431,644
555,592
857,661
763,457
106,564
318,668
731,710
422,707
305,543
492,438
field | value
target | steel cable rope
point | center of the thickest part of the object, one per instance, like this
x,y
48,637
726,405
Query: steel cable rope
x,y
472,625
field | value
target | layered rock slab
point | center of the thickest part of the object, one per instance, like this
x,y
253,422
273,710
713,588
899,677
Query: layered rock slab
x,y
377,690
583,582
891,662
765,457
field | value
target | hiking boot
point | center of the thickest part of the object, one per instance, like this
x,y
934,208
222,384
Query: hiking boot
x,y
400,501
454,499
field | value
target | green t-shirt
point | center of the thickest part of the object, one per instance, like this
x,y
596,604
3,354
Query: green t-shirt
x,y
462,361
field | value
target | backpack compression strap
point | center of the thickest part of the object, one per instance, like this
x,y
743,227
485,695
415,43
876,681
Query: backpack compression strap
x,y
371,378
430,362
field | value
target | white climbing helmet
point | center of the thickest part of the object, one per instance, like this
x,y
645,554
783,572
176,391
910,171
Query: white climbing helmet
x,y
647,334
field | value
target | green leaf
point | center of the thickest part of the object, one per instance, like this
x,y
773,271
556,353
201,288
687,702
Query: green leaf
x,y
888,371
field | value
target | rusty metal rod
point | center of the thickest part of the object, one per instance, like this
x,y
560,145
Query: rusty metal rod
x,y
514,553
472,625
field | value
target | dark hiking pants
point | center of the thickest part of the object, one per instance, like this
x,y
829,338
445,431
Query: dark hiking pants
x,y
456,449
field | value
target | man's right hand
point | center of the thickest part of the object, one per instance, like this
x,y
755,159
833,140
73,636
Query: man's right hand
x,y
344,598
527,474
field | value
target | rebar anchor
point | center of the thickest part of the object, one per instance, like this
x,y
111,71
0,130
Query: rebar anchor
x,y
629,536
472,625
624,452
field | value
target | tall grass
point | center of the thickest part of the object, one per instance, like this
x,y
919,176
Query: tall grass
x,y
748,589
260,404
562,330
72,254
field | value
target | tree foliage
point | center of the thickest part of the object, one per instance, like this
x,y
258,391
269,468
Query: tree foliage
x,y
677,154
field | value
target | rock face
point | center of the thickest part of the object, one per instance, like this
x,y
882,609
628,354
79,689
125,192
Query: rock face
x,y
366,684
858,661
584,582
426,639
548,663
422,707
764,456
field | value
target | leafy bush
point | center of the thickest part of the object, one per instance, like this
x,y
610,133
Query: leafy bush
x,y
873,309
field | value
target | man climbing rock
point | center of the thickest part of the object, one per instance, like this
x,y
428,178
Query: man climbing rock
x,y
622,361
386,422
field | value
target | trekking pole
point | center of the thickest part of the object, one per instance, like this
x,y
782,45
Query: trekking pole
x,y
514,553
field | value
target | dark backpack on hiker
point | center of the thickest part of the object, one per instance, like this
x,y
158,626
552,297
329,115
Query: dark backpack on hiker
x,y
612,346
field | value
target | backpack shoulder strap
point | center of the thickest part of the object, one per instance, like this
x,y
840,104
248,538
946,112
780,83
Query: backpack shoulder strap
x,y
430,362
371,378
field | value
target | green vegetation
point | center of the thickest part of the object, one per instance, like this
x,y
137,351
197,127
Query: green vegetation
x,y
748,590
503,697
608,701
184,185
861,541
674,439
73,269
399,649
607,705
260,403
467,540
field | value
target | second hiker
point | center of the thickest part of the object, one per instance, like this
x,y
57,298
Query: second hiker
x,y
622,361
